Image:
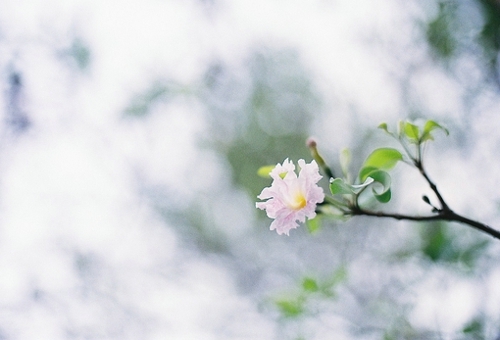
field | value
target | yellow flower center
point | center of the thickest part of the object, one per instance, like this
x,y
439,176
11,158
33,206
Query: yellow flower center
x,y
298,202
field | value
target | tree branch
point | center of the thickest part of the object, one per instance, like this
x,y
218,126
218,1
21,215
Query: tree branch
x,y
443,215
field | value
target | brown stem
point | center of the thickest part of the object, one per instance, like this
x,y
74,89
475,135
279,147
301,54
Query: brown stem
x,y
443,215
420,167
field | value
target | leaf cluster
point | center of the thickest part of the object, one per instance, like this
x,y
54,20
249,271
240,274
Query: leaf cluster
x,y
414,133
374,171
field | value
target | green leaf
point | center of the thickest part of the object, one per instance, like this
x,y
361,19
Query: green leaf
x,y
383,126
310,285
264,171
429,126
339,186
314,225
382,177
290,307
411,131
383,159
363,174
345,161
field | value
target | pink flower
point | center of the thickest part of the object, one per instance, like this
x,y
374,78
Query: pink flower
x,y
291,198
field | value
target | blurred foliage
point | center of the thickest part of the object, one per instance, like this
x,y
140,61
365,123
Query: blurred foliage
x,y
474,330
159,92
263,117
440,244
200,220
440,31
464,28
81,53
78,54
401,328
489,37
447,245
303,302
260,112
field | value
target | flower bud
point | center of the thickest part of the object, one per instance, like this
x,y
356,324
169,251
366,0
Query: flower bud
x,y
313,147
311,142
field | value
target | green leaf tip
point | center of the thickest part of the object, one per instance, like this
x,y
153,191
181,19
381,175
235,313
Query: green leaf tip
x,y
264,171
411,131
383,126
429,126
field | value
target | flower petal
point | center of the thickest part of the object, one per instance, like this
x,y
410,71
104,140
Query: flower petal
x,y
291,198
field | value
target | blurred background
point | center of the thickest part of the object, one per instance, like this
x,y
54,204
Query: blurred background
x,y
131,133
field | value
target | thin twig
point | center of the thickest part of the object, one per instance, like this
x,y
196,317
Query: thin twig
x,y
433,186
